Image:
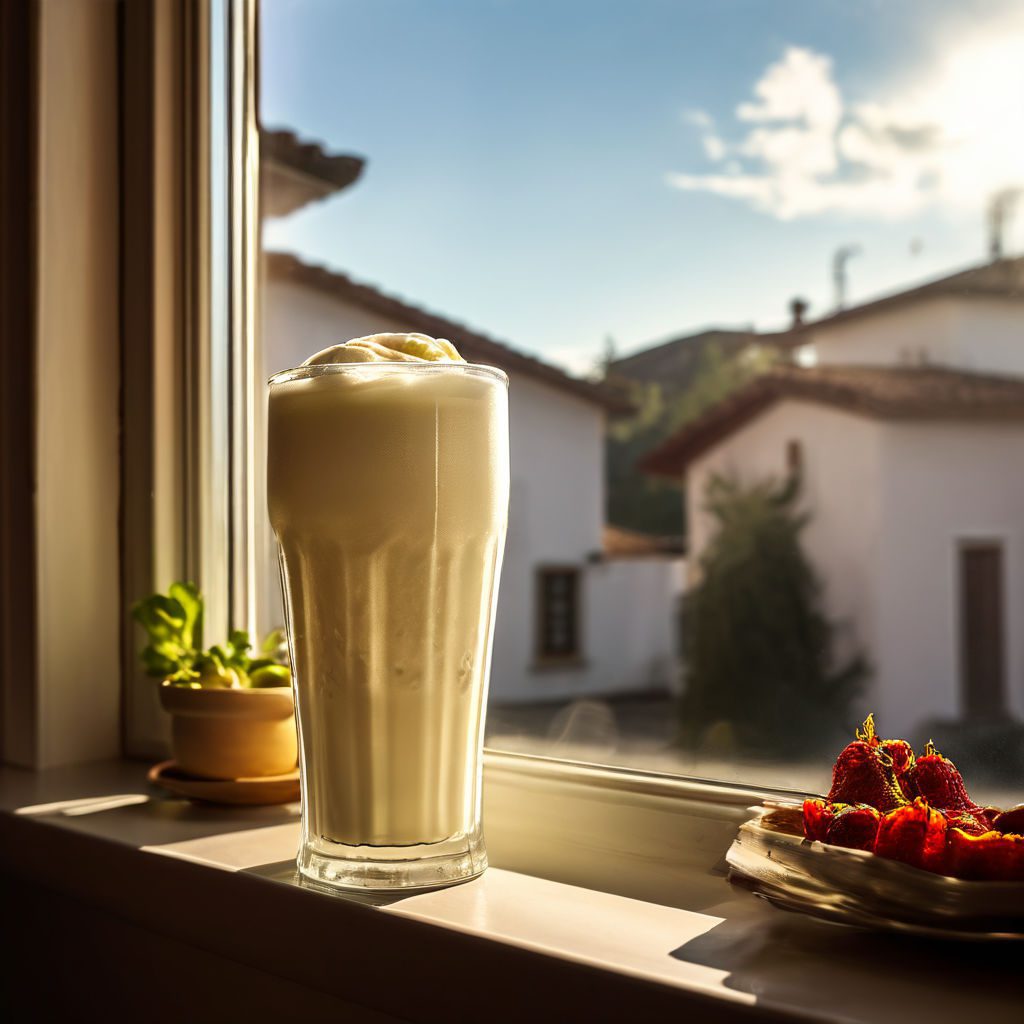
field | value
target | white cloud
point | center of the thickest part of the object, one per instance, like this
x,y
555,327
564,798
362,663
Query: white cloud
x,y
797,88
714,147
805,150
699,118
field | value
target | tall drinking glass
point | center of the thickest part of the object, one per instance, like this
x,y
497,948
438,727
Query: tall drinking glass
x,y
388,492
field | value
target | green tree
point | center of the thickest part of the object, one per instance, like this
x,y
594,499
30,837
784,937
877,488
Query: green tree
x,y
637,500
758,647
609,353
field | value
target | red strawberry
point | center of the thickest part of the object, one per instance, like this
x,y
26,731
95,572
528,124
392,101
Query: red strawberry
x,y
990,857
864,773
914,834
937,780
902,754
1009,821
817,816
973,825
854,828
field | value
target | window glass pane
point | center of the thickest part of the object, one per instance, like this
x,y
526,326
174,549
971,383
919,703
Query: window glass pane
x,y
754,273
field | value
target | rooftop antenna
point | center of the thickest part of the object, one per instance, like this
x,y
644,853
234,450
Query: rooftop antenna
x,y
840,258
1001,206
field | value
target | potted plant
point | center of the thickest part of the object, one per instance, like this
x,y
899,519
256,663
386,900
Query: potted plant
x,y
232,713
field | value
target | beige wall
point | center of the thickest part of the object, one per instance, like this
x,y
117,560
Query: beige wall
x,y
979,334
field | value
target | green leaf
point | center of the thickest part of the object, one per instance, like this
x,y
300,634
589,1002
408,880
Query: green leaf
x,y
172,621
275,646
174,624
239,645
235,653
162,617
273,642
190,601
270,675
211,662
185,677
157,664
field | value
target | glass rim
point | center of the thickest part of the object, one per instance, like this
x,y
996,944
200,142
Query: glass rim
x,y
386,367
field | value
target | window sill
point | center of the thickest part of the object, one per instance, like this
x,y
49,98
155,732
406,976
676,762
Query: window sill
x,y
223,880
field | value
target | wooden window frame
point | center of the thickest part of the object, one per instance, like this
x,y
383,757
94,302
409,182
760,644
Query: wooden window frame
x,y
191,244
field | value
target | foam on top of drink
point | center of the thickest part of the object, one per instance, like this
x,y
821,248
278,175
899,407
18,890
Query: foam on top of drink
x,y
389,348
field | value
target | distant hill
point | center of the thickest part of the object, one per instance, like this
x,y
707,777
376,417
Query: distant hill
x,y
675,364
669,384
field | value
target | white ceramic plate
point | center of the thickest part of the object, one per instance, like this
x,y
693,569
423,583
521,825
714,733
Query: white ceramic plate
x,y
771,858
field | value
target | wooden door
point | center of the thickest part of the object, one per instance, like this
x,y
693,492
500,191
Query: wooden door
x,y
982,630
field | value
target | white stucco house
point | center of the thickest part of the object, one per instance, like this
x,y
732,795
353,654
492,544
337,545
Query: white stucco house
x,y
905,419
576,617
972,320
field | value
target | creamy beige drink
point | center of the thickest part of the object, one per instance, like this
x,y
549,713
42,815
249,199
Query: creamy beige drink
x,y
388,492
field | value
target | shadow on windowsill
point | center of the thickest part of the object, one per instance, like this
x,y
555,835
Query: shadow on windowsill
x,y
767,956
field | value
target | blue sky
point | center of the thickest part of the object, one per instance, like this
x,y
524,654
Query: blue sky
x,y
557,172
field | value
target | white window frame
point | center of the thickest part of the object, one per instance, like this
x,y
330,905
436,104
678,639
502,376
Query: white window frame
x,y
197,413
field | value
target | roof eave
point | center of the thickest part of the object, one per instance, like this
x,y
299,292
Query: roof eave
x,y
673,456
341,286
952,286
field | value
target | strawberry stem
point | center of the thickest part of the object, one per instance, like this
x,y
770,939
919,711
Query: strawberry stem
x,y
866,733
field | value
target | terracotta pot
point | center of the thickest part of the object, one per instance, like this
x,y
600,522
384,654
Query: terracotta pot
x,y
232,734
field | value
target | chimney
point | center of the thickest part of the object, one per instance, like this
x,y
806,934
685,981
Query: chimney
x,y
840,258
797,308
1000,209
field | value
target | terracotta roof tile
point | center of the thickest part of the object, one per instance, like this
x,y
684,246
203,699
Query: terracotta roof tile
x,y
882,392
337,170
618,542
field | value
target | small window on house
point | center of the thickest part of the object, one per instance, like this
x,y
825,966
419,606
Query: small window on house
x,y
794,458
558,614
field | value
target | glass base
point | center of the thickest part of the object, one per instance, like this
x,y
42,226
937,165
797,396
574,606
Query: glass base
x,y
384,869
